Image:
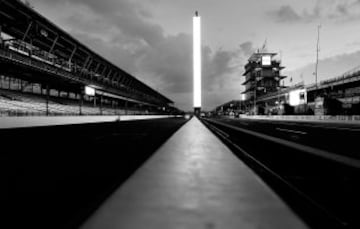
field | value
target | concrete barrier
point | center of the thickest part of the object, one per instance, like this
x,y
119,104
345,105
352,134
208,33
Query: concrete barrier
x,y
32,121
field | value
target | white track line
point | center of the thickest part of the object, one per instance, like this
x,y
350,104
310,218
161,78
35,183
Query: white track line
x,y
292,131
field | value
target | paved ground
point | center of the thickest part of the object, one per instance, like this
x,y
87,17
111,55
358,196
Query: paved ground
x,y
333,137
319,160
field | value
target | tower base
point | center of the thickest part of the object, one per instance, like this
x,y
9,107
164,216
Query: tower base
x,y
197,111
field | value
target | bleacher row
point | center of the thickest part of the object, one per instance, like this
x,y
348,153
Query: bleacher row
x,y
14,103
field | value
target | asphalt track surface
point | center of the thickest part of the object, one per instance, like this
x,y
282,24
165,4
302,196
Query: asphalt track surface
x,y
56,177
333,137
315,164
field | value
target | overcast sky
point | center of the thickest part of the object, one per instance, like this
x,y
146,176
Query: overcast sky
x,y
152,39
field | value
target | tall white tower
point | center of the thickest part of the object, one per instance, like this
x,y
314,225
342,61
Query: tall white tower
x,y
197,62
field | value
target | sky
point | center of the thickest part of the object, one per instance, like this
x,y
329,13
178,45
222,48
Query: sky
x,y
152,39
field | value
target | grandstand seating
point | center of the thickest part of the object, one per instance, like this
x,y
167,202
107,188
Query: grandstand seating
x,y
17,103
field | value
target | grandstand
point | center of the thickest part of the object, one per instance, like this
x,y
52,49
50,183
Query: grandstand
x,y
45,71
15,103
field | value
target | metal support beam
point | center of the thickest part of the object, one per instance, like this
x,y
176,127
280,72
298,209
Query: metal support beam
x,y
86,61
72,54
53,44
31,50
132,84
102,73
47,99
101,100
81,102
129,82
126,81
1,38
27,31
126,107
123,78
107,76
89,64
114,79
118,79
97,67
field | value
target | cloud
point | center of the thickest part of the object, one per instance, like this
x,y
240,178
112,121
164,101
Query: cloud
x,y
124,15
343,11
285,14
171,61
247,48
333,10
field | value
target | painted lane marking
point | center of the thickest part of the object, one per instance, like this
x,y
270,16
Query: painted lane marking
x,y
291,131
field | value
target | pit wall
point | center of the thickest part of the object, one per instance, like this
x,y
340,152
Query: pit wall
x,y
35,121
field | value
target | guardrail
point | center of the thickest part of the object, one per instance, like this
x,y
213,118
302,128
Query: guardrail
x,y
339,118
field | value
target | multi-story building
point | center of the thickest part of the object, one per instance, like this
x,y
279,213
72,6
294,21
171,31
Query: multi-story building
x,y
262,76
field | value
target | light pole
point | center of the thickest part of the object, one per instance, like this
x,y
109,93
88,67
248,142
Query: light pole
x,y
255,95
317,55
